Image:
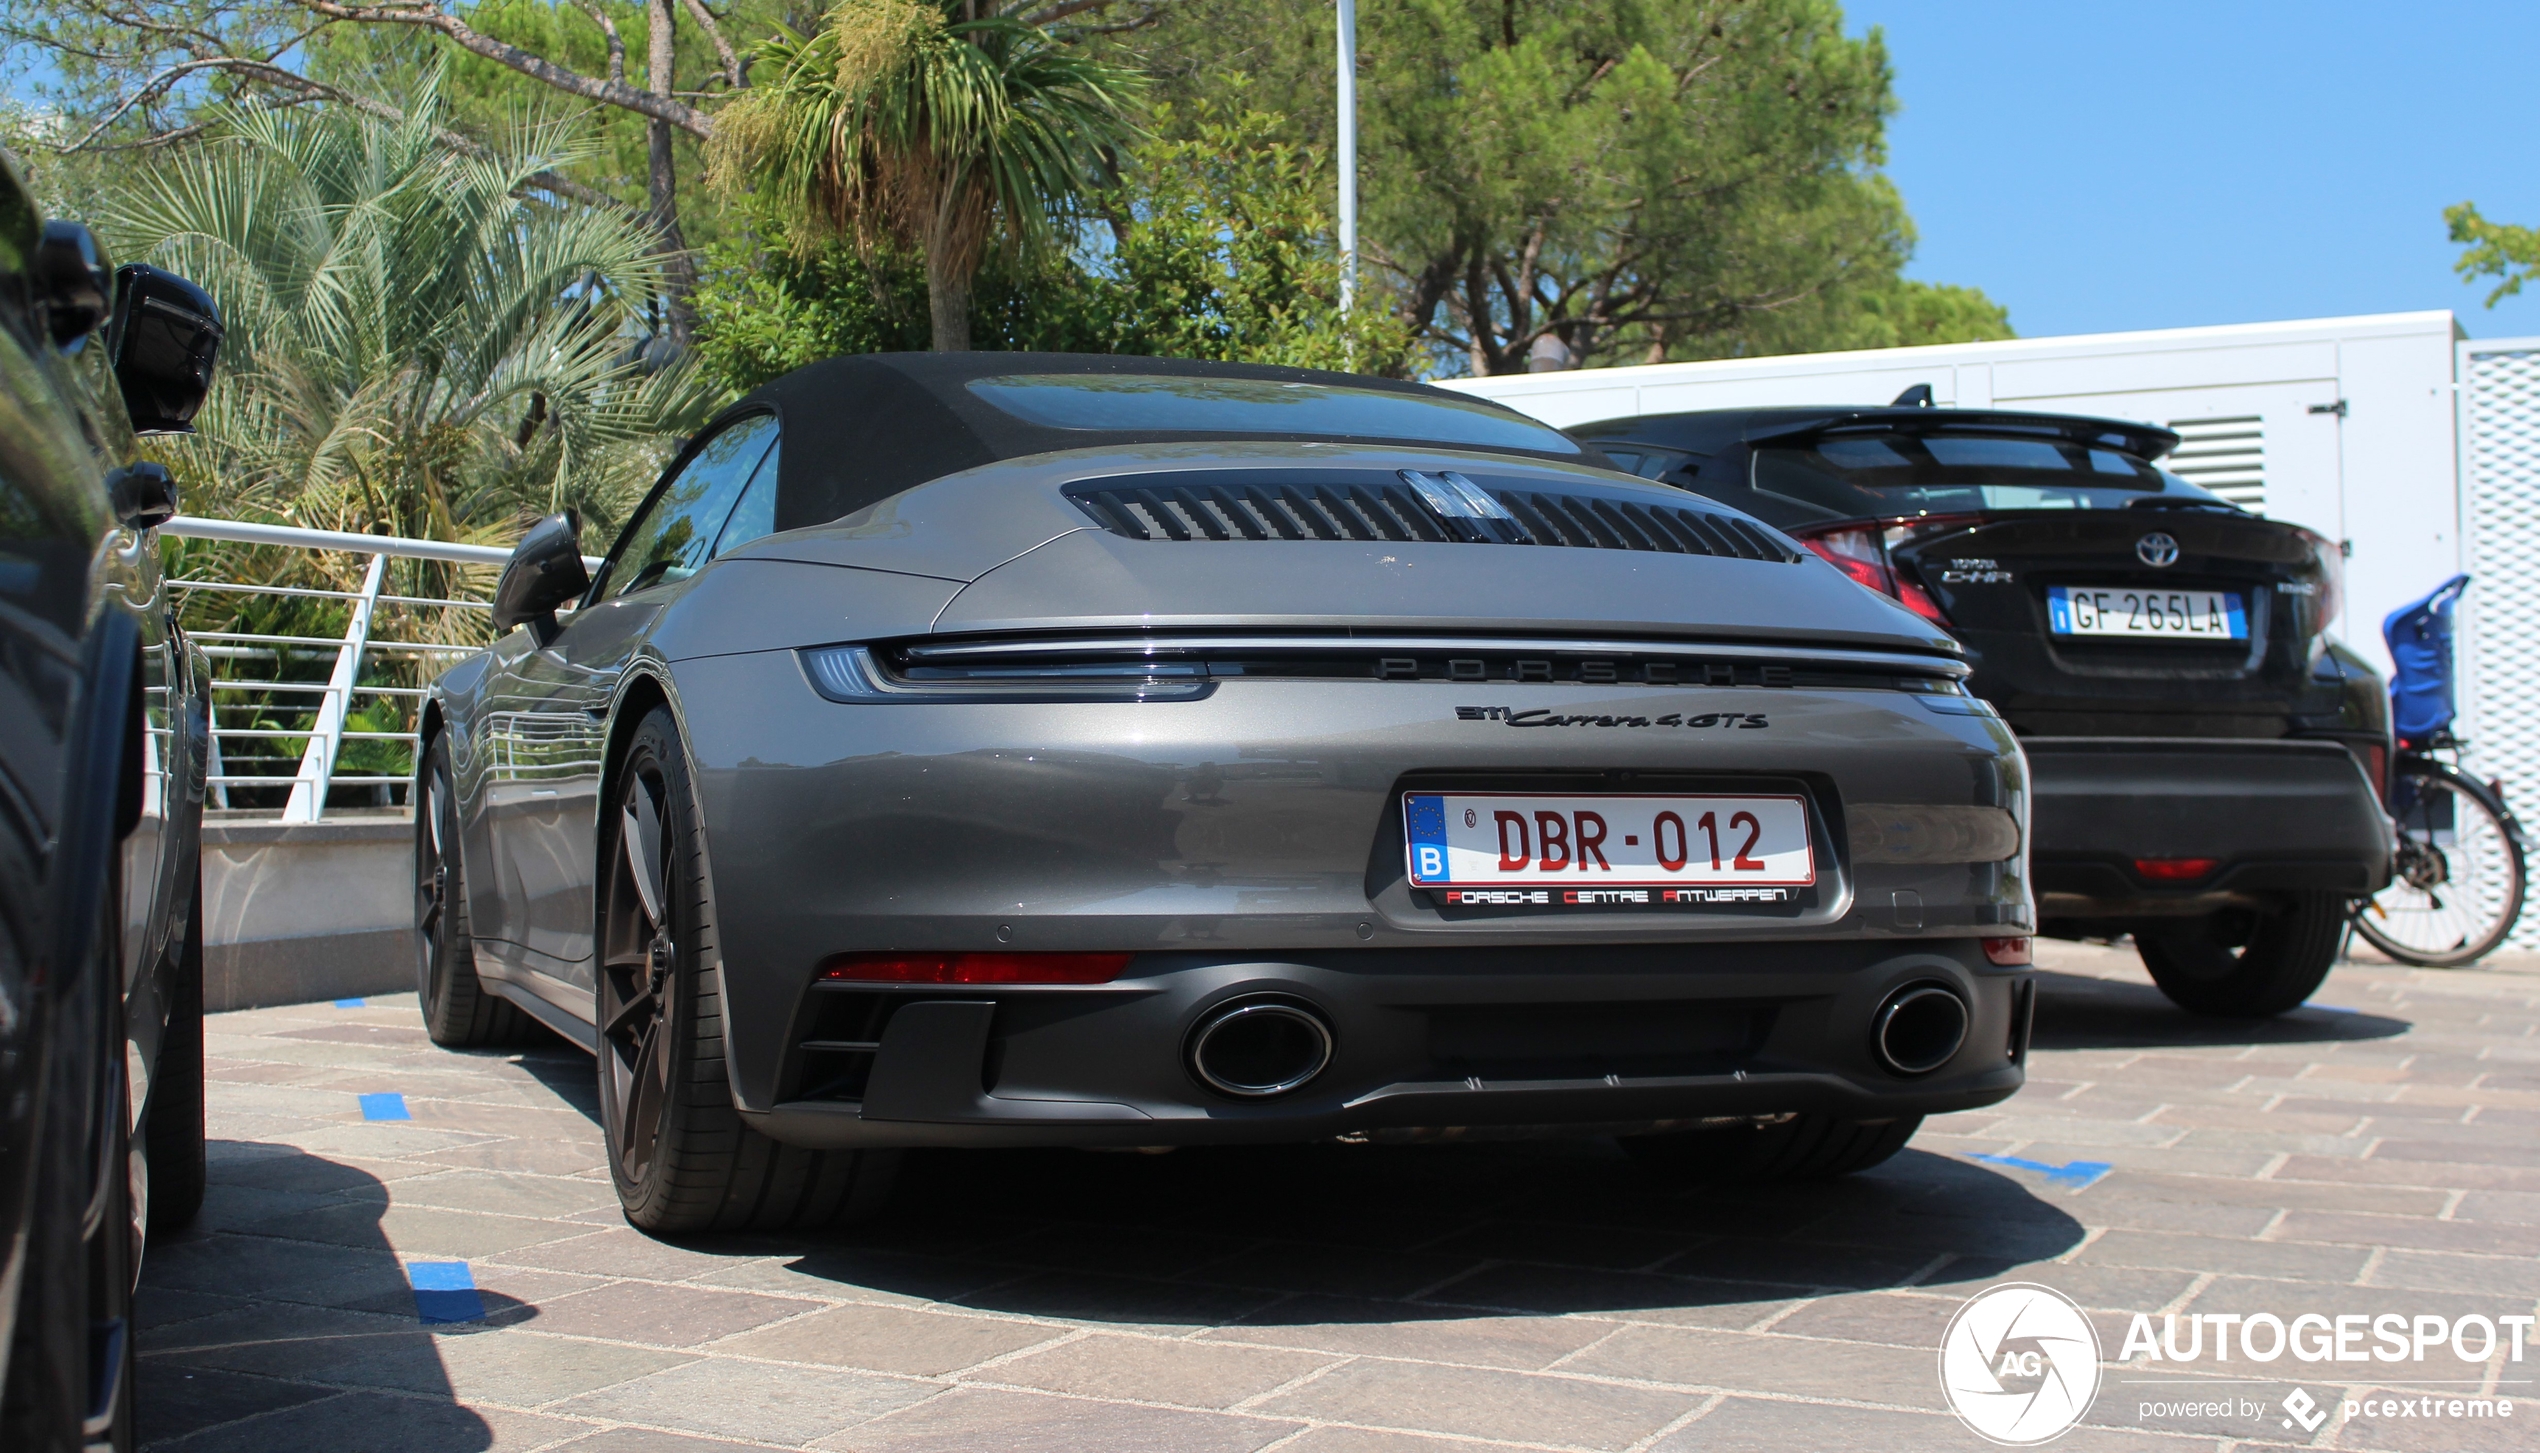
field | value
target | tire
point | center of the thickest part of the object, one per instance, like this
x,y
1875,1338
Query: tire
x,y
113,1257
458,1010
2285,956
172,1130
71,1370
1803,1148
681,1157
2449,904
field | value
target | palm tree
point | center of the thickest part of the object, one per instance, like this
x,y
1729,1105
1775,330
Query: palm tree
x,y
420,341
921,123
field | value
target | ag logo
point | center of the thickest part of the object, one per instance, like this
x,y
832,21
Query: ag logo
x,y
2019,1364
2157,550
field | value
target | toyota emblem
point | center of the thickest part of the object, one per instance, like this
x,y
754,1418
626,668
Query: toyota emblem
x,y
2157,550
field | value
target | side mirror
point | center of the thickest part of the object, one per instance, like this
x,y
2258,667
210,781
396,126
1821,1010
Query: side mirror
x,y
143,495
163,341
544,572
71,272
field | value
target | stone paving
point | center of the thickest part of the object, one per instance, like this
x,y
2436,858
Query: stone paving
x,y
2375,1157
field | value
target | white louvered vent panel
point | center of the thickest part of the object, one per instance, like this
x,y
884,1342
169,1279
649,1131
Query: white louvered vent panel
x,y
2227,456
2503,458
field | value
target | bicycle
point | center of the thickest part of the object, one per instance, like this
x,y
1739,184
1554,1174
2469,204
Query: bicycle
x,y
2459,863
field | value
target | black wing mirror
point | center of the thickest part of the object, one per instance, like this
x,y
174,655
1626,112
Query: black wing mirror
x,y
544,572
143,495
71,272
163,341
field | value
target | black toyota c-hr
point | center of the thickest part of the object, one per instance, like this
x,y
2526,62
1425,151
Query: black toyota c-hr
x,y
2206,757
102,763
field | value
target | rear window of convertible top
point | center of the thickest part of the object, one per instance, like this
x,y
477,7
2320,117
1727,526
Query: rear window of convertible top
x,y
1137,402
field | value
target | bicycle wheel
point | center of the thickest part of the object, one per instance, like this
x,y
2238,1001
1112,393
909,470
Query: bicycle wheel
x,y
2458,881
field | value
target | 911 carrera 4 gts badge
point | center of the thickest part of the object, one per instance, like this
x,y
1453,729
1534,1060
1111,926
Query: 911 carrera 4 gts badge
x,y
1539,717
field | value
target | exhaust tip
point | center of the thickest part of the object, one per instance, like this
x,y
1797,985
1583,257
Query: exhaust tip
x,y
1255,1048
1919,1028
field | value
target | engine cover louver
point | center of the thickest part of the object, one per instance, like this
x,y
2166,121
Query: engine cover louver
x,y
1411,508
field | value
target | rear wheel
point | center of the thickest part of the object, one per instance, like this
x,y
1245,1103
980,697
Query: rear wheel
x,y
2245,965
1804,1147
2459,884
458,1010
678,1150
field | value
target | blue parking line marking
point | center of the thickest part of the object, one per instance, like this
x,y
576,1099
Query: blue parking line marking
x,y
2330,1008
2078,1174
352,1003
445,1291
388,1105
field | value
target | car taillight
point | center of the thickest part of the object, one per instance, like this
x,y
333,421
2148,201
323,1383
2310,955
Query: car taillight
x,y
2174,870
1866,552
2008,952
984,968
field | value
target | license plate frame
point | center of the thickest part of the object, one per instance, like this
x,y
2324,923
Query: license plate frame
x,y
2145,613
1781,839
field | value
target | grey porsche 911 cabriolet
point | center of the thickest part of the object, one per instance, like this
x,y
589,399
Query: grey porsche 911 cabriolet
x,y
1013,749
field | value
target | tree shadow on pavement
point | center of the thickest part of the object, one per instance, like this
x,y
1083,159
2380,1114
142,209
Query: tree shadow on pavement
x,y
2080,1011
1345,1233
283,1319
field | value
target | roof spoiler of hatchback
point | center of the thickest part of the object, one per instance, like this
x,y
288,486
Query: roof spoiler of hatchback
x,y
2144,441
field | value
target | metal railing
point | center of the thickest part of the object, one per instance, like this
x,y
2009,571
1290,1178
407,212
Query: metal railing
x,y
277,658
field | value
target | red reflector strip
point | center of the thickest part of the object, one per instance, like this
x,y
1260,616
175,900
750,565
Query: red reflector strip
x,y
975,968
2008,952
2175,870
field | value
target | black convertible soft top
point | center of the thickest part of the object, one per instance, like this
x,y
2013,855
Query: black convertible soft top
x,y
862,428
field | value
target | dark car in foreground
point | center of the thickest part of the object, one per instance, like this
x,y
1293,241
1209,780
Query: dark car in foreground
x,y
103,733
1006,750
2206,757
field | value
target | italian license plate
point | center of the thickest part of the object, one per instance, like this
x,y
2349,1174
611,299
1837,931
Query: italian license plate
x,y
1602,840
2140,614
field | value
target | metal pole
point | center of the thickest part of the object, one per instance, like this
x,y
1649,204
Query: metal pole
x,y
1348,149
326,734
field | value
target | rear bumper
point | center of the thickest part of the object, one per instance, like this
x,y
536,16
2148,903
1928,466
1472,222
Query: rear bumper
x,y
1262,824
2276,816
1441,1040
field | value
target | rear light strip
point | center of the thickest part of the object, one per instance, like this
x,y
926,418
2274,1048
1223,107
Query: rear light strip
x,y
972,968
1187,668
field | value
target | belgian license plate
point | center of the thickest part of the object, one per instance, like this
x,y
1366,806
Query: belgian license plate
x,y
2141,614
1605,840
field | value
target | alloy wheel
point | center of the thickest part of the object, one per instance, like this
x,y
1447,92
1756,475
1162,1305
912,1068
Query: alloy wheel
x,y
432,879
638,975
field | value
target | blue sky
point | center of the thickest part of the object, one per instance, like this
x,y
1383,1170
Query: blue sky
x,y
2163,164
